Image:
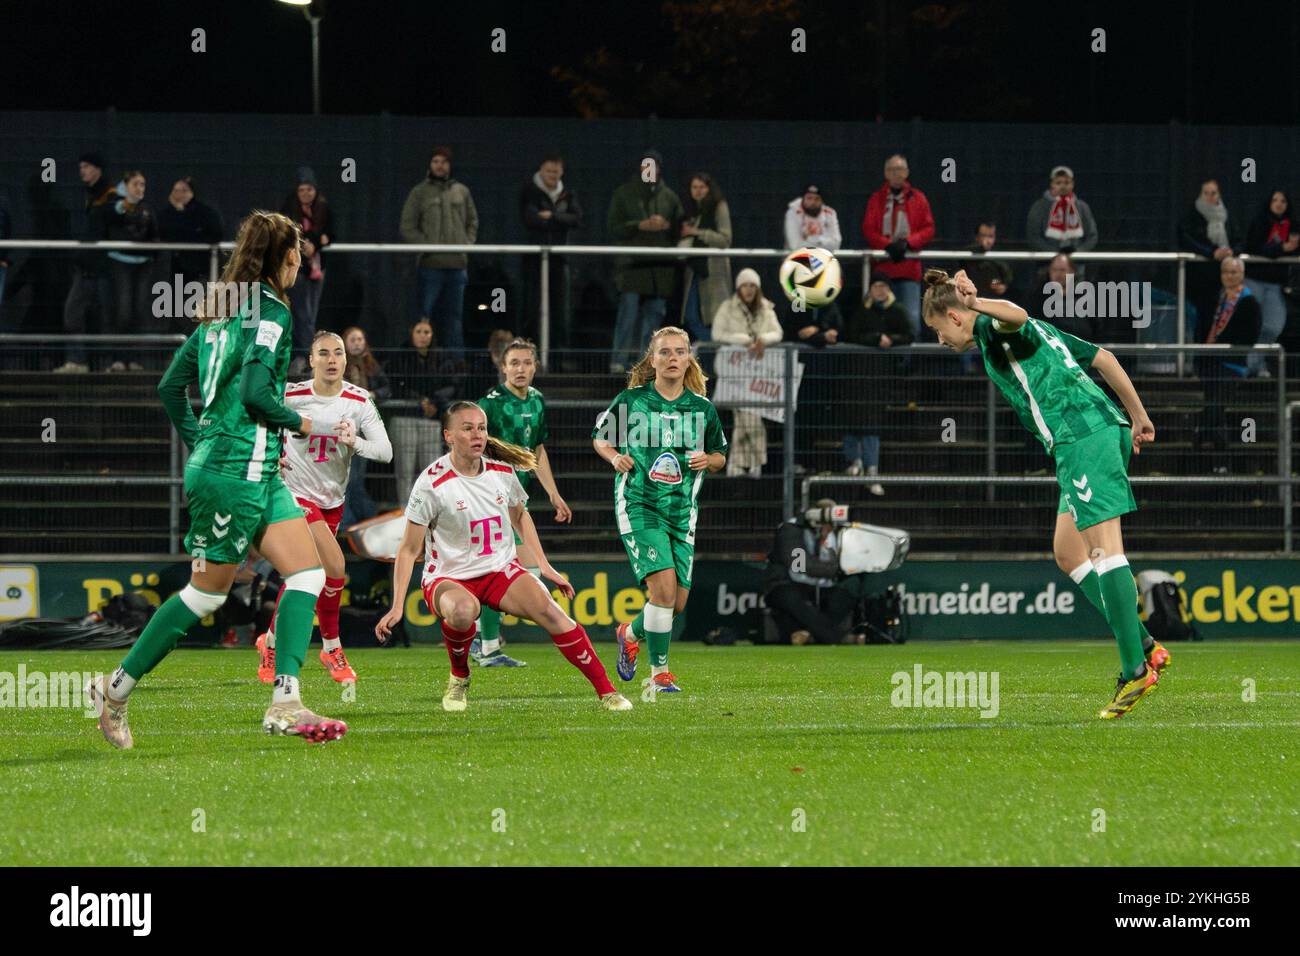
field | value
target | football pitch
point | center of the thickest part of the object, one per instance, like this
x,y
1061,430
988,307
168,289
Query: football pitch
x,y
774,756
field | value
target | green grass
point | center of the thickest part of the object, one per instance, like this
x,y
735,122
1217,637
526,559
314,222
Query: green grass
x,y
1194,776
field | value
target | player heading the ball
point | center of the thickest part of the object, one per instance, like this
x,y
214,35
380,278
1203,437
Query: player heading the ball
x,y
1040,371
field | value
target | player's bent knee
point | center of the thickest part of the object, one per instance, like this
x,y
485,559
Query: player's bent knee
x,y
200,602
310,581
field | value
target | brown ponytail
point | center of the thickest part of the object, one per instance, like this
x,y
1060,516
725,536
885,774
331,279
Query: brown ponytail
x,y
940,293
643,371
261,248
513,455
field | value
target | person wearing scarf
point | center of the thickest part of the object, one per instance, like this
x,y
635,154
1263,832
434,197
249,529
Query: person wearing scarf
x,y
1234,320
1272,233
309,211
1206,232
1059,221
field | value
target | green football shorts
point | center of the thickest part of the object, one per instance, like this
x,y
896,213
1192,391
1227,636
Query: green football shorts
x,y
228,514
655,550
1093,475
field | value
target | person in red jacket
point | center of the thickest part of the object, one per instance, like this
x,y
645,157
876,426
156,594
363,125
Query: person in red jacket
x,y
898,219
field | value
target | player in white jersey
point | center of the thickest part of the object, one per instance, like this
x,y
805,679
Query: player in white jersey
x,y
315,468
460,517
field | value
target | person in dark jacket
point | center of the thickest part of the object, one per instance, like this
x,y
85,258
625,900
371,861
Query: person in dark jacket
x,y
882,323
992,277
1235,320
1205,230
549,211
643,211
422,393
1274,232
186,219
91,290
309,211
129,219
809,597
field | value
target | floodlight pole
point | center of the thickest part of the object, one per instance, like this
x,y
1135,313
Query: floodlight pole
x,y
315,59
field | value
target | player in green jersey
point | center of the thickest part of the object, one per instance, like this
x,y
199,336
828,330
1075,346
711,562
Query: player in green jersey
x,y
516,413
1040,370
239,358
660,435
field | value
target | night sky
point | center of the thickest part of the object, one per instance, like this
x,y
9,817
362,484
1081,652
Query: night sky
x,y
989,61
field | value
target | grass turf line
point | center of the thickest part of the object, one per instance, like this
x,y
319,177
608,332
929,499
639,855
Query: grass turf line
x,y
535,773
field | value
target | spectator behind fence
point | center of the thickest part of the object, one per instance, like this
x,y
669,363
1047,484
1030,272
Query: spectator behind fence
x,y
1206,231
1045,301
1273,232
441,210
880,322
643,211
707,285
1059,221
91,290
897,219
308,210
363,369
748,319
992,277
822,388
186,219
809,597
549,211
810,222
1235,320
417,434
129,219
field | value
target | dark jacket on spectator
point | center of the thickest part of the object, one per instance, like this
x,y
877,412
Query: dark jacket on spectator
x,y
1202,277
129,222
984,269
99,200
795,537
1265,236
322,219
1242,329
920,224
197,222
871,320
632,202
566,215
415,376
825,319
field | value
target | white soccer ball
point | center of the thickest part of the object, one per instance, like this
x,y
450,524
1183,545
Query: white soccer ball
x,y
811,276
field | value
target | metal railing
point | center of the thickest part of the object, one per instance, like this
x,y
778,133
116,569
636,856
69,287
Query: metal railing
x,y
864,256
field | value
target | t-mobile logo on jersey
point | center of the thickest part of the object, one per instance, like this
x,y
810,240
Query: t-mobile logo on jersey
x,y
322,446
487,535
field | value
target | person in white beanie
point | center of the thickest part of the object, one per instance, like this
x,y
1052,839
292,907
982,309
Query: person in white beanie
x,y
747,319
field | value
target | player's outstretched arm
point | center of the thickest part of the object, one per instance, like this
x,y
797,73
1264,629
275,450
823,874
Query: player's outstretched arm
x,y
411,548
523,523
1109,368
